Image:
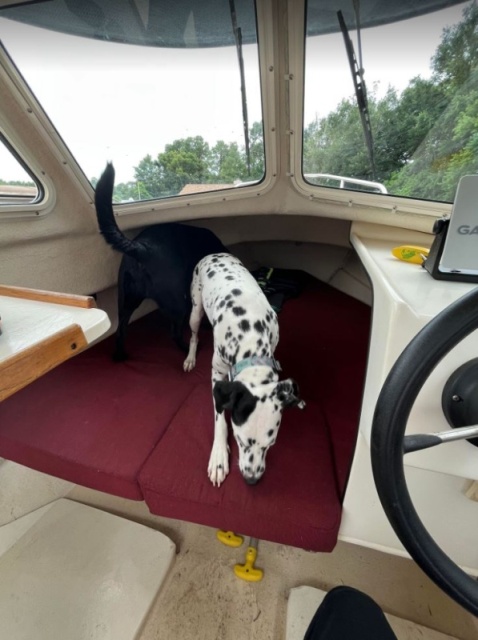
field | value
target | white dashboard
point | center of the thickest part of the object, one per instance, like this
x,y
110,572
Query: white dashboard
x,y
405,299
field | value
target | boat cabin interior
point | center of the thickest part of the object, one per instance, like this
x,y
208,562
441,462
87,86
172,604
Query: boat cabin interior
x,y
238,312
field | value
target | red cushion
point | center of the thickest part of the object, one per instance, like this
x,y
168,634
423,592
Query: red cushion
x,y
94,421
295,502
144,428
323,345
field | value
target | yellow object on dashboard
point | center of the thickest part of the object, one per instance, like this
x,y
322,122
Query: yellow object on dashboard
x,y
411,253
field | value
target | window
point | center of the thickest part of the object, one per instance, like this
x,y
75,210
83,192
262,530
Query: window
x,y
418,132
17,186
160,94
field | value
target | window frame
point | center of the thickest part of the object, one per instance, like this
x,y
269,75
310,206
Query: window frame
x,y
13,152
46,197
358,203
60,150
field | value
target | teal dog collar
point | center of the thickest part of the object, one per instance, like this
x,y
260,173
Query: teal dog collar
x,y
253,361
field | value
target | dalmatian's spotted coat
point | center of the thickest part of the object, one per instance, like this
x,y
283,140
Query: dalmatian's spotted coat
x,y
246,333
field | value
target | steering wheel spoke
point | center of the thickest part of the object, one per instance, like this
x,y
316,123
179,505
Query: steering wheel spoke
x,y
419,441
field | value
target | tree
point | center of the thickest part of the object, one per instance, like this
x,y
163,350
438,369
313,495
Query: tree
x,y
417,111
425,139
18,183
147,173
336,145
442,142
457,54
440,160
184,161
192,161
227,164
256,151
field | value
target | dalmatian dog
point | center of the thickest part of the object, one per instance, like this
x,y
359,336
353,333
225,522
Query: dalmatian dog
x,y
245,376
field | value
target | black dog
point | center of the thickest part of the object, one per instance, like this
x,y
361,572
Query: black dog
x,y
158,264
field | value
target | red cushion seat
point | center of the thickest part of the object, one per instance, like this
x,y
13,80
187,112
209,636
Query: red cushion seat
x,y
143,429
296,502
94,421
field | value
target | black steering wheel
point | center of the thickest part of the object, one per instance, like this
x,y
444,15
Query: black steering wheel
x,y
388,444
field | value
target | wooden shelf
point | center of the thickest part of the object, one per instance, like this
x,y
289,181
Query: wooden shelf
x,y
42,329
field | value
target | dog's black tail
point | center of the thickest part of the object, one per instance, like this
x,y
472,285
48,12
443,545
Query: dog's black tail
x,y
106,219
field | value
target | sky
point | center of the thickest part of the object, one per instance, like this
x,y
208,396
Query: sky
x,y
121,102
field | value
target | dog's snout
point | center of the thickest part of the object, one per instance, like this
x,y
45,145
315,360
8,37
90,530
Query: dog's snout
x,y
252,473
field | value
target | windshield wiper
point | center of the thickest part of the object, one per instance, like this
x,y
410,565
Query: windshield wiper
x,y
238,39
360,91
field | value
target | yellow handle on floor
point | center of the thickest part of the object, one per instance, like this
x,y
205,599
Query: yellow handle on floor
x,y
248,571
229,538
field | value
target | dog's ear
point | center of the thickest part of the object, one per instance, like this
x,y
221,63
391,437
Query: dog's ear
x,y
224,393
235,397
288,394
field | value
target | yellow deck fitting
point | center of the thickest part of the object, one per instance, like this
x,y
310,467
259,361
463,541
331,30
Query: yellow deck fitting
x,y
411,253
229,538
248,571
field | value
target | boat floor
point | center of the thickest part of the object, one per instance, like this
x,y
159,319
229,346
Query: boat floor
x,y
72,571
202,599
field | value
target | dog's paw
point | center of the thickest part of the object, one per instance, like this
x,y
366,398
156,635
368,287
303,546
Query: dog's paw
x,y
218,467
189,363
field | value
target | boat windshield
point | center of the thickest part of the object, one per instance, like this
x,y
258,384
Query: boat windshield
x,y
394,104
173,116
173,97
